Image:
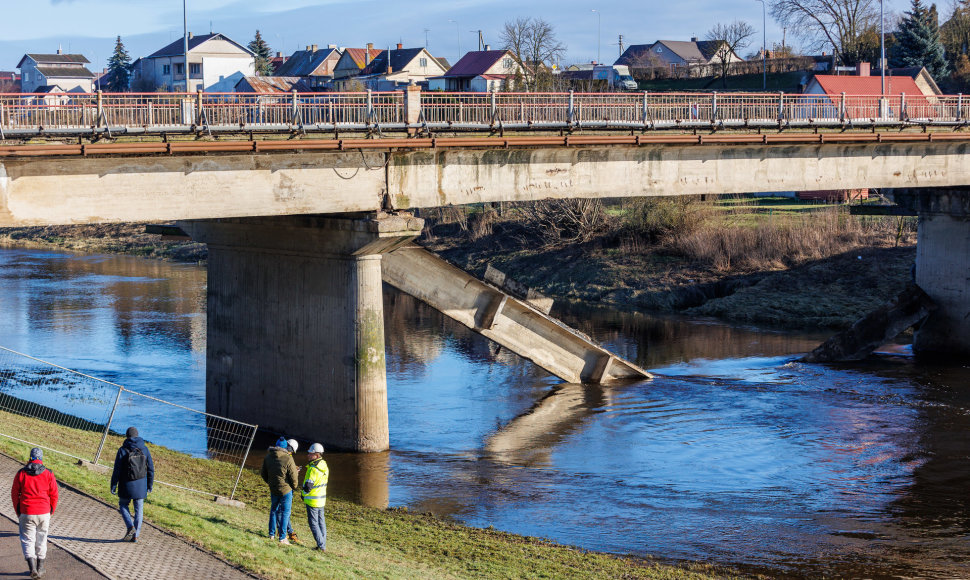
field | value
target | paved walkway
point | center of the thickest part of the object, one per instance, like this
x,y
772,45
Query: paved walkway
x,y
90,530
59,563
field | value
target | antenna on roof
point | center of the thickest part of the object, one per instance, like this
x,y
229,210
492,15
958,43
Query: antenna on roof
x,y
426,31
210,27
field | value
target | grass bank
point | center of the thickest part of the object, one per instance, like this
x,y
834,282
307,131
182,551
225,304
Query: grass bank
x,y
361,543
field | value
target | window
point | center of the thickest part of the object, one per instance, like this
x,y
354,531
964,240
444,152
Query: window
x,y
26,76
423,63
660,49
166,69
507,63
195,68
179,68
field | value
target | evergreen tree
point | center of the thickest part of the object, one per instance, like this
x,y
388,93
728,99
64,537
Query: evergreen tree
x,y
119,69
918,41
264,55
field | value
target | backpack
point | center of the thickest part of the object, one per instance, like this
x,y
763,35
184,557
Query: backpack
x,y
137,464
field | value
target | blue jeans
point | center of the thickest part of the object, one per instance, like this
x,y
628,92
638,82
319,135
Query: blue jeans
x,y
318,526
279,514
126,514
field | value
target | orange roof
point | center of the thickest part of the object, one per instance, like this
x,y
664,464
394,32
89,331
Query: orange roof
x,y
871,85
359,55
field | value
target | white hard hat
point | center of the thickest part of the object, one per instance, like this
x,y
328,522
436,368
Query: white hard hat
x,y
315,448
292,444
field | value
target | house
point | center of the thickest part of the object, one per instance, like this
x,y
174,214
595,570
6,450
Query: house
x,y
919,74
392,69
315,66
677,54
64,71
277,61
352,61
479,71
216,64
9,82
274,84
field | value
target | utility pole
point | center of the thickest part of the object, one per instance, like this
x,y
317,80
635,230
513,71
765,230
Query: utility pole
x,y
882,47
621,45
599,28
764,47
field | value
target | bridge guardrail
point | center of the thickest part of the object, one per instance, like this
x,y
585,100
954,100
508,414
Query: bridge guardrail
x,y
157,113
83,417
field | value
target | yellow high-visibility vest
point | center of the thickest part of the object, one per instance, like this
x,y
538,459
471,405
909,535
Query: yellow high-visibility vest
x,y
317,475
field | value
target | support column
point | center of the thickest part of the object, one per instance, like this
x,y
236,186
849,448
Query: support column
x,y
296,324
942,267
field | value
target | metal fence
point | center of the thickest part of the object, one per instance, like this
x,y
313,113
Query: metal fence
x,y
159,113
84,417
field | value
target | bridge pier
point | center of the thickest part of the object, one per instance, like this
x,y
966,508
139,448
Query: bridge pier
x,y
942,266
296,323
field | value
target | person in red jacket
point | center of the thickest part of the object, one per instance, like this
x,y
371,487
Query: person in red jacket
x,y
34,495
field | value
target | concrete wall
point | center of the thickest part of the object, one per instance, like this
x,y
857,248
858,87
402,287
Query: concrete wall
x,y
943,272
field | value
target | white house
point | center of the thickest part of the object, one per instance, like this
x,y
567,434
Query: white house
x,y
216,64
479,71
39,73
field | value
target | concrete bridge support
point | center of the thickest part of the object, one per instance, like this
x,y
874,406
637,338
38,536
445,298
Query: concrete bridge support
x,y
942,267
296,324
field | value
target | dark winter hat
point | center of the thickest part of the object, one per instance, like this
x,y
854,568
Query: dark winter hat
x,y
131,432
36,454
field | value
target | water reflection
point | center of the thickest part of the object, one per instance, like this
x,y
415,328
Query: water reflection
x,y
735,453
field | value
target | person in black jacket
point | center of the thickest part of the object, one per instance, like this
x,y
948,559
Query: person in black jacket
x,y
132,479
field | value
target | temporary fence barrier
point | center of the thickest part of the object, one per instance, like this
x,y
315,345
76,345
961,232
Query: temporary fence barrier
x,y
84,417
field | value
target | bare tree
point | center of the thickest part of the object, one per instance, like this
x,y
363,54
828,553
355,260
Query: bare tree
x,y
729,39
847,26
533,42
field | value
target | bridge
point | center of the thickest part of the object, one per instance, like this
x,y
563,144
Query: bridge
x,y
303,200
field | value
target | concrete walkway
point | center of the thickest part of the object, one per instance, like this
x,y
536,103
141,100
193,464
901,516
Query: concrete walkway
x,y
59,563
91,531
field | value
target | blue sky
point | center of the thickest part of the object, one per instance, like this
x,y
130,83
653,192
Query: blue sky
x,y
90,26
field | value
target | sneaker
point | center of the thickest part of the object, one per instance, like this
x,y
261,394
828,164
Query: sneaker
x,y
134,539
129,535
292,538
285,542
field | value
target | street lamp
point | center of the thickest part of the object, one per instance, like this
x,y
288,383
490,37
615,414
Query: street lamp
x,y
882,47
185,45
458,34
599,28
764,47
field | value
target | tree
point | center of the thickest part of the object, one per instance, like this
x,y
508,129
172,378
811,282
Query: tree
x,y
955,33
533,42
119,69
264,55
918,41
848,26
728,39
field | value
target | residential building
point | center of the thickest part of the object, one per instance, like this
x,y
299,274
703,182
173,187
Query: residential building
x,y
277,61
479,71
275,84
393,69
9,81
315,66
919,74
66,72
678,54
352,61
216,64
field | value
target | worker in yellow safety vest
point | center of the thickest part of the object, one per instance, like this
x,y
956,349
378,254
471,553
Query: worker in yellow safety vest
x,y
314,492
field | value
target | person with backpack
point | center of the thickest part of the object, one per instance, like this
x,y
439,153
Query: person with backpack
x,y
280,473
132,479
34,495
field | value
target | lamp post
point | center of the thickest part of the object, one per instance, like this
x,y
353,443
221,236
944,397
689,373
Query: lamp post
x,y
185,45
599,28
458,34
764,47
882,48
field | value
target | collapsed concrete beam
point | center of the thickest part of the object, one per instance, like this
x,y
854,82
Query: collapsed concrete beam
x,y
512,323
911,307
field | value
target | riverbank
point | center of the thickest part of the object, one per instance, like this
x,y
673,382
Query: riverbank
x,y
770,262
361,543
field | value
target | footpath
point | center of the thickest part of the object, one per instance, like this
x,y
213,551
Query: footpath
x,y
86,536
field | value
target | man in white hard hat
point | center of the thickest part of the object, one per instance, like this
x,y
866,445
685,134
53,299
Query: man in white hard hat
x,y
280,473
314,492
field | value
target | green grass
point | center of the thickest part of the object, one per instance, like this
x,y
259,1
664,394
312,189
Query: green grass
x,y
362,542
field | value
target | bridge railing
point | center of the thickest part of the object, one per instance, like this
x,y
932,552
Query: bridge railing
x,y
138,113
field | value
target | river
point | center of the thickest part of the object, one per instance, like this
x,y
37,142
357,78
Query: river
x,y
734,454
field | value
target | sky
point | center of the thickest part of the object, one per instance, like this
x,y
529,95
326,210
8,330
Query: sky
x,y
589,29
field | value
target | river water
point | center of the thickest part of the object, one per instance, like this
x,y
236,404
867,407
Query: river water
x,y
734,454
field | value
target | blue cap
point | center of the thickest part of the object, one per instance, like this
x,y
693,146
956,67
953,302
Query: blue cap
x,y
36,454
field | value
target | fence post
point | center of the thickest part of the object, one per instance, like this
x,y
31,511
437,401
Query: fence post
x,y
713,107
242,464
493,103
570,112
100,108
781,105
294,108
107,426
645,113
198,107
842,108
370,107
903,115
959,106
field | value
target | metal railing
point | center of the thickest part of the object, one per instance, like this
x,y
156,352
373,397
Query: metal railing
x,y
160,113
84,417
